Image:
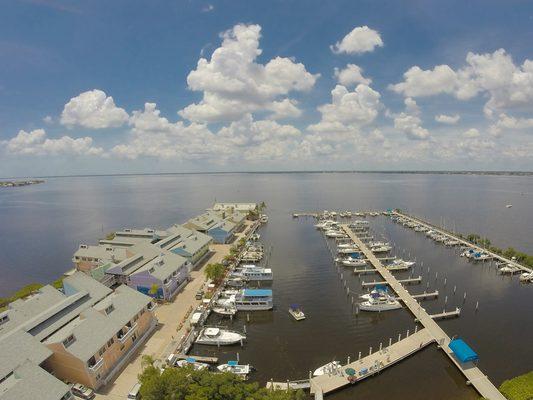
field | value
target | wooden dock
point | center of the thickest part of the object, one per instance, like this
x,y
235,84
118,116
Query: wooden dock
x,y
426,295
472,373
289,385
407,281
463,242
372,363
203,359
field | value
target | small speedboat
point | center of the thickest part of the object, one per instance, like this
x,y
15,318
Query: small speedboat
x,y
235,368
509,269
191,362
353,262
348,250
328,368
296,312
380,249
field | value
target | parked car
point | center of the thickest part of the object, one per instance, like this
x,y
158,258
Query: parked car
x,y
199,295
81,391
134,392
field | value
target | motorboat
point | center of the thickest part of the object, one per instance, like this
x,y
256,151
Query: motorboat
x,y
509,269
348,250
235,368
225,310
264,218
226,301
255,237
254,300
376,244
191,362
219,337
380,302
451,242
350,244
296,312
235,282
335,234
526,277
254,273
328,368
481,256
353,262
379,290
401,263
380,249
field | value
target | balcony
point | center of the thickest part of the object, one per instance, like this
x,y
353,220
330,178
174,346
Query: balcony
x,y
95,367
122,336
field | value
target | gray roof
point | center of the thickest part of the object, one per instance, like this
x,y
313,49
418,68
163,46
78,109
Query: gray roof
x,y
164,265
185,238
235,206
102,252
47,310
93,328
19,348
206,221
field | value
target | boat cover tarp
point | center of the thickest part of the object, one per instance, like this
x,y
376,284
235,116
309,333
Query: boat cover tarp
x,y
258,292
463,351
232,363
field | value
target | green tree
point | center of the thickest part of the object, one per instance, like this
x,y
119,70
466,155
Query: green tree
x,y
215,272
188,384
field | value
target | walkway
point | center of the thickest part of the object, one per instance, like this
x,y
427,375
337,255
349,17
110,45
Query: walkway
x,y
473,374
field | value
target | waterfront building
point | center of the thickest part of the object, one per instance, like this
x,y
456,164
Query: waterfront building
x,y
188,243
241,207
83,333
153,271
89,257
213,224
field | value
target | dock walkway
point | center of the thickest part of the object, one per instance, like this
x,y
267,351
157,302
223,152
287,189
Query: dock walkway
x,y
372,364
472,373
462,241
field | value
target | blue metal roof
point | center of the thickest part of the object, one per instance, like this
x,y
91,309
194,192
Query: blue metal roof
x,y
258,292
463,351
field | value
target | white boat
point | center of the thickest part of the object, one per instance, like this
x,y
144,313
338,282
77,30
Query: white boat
x,y
235,282
219,337
380,302
376,244
226,301
379,290
481,256
254,273
255,236
380,249
401,263
328,368
235,368
509,269
452,242
348,250
335,234
526,277
191,362
353,262
508,205
296,312
346,245
264,218
254,300
228,310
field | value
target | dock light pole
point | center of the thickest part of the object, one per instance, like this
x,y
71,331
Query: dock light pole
x,y
359,356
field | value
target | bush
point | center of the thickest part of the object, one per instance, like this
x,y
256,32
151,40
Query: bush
x,y
519,388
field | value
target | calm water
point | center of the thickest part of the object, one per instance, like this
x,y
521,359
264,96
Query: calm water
x,y
42,225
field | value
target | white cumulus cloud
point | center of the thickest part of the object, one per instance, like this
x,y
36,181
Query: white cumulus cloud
x,y
234,84
37,143
361,39
471,133
447,119
93,109
351,75
409,121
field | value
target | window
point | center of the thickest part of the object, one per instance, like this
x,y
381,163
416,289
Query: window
x,y
102,351
109,309
110,342
69,340
4,319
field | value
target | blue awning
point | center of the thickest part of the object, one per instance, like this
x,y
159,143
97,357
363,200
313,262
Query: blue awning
x,y
463,351
258,292
232,363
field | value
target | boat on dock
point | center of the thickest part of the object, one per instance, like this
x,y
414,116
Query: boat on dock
x,y
335,234
225,310
328,368
380,249
235,368
348,250
191,362
377,291
397,263
296,312
353,262
380,302
219,337
254,300
509,269
253,273
526,277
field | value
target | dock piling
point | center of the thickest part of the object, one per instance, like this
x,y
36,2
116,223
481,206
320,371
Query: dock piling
x,y
390,342
370,351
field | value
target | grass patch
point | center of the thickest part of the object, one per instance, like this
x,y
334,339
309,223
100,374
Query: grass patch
x,y
519,388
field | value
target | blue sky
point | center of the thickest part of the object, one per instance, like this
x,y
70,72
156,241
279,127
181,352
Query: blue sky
x,y
419,85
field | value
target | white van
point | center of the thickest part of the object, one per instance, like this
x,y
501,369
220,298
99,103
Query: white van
x,y
134,392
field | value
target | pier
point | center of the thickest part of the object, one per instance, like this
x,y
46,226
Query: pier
x,y
462,241
371,364
471,372
407,281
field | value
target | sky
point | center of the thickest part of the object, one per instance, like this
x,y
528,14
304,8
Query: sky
x,y
105,87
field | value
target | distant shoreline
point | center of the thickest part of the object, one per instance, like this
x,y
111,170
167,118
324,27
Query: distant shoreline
x,y
406,172
18,183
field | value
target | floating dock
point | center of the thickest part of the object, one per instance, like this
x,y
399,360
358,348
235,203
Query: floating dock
x,y
407,281
203,359
289,385
472,373
371,364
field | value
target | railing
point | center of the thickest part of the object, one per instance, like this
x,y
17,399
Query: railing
x,y
94,368
128,333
